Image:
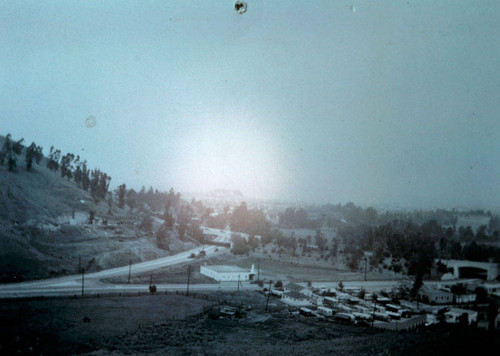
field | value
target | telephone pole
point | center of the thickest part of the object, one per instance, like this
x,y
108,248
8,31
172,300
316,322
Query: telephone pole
x,y
129,270
83,279
366,260
268,294
258,269
189,275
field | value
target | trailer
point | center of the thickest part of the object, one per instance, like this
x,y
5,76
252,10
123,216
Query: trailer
x,y
306,312
381,316
362,316
345,318
325,311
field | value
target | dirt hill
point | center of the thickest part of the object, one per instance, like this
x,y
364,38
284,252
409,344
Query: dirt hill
x,y
45,230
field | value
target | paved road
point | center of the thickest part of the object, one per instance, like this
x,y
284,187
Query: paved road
x,y
71,285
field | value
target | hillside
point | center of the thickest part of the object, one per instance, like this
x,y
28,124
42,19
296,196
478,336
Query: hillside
x,y
45,230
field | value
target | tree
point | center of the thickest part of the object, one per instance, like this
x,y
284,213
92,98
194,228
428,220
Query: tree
x,y
240,246
33,152
417,285
163,238
8,152
253,242
278,285
91,217
466,234
147,224
66,165
6,149
320,240
85,176
53,161
121,191
341,286
131,199
18,147
12,162
103,186
181,228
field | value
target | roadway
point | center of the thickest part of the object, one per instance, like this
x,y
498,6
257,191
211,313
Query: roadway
x,y
72,285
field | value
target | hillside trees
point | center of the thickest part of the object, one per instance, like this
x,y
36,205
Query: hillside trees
x,y
99,184
67,165
85,176
33,152
6,149
292,218
9,151
121,191
249,221
53,159
239,243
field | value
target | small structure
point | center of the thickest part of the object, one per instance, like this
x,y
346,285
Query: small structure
x,y
295,299
225,273
435,296
293,287
465,298
228,312
472,269
454,314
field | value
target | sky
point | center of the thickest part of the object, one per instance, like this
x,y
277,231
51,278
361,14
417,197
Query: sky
x,y
384,103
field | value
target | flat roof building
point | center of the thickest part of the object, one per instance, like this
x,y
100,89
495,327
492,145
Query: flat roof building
x,y
227,273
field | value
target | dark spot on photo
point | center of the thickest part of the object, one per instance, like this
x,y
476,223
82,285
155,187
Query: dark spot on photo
x,y
240,7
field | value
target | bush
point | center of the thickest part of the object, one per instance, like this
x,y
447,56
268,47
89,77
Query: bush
x,y
240,246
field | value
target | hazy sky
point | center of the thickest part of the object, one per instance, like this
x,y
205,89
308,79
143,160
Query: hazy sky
x,y
375,102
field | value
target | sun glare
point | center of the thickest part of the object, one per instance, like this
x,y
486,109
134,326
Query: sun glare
x,y
229,154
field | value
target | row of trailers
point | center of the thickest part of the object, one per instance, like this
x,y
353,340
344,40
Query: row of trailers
x,y
347,315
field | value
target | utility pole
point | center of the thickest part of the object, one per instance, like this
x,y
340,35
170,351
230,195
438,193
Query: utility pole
x,y
83,279
80,262
268,294
373,314
365,267
238,283
258,269
129,270
189,275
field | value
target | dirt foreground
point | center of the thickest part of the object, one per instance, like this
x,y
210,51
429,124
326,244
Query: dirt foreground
x,y
179,325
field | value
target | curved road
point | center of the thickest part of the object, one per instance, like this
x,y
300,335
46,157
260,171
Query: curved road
x,y
71,285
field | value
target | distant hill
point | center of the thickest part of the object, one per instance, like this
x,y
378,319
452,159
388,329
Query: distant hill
x,y
44,229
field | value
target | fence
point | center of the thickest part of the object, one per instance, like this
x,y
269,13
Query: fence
x,y
407,324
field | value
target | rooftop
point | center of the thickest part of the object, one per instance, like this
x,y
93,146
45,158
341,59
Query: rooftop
x,y
227,269
294,287
295,295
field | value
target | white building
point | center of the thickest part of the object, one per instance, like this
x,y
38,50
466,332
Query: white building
x,y
435,296
225,273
